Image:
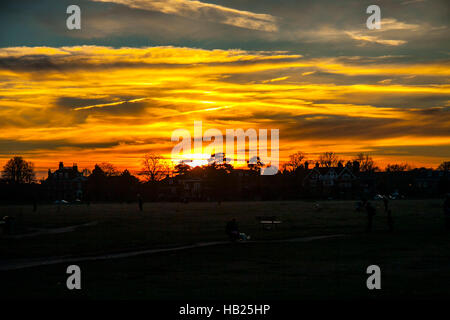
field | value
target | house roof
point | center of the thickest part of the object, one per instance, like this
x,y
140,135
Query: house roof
x,y
322,171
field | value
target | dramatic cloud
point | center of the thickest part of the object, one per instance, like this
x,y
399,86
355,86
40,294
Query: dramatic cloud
x,y
375,39
90,104
207,11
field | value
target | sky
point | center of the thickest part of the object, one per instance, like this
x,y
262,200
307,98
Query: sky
x,y
140,69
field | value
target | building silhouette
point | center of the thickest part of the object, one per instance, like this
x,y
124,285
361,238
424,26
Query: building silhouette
x,y
66,183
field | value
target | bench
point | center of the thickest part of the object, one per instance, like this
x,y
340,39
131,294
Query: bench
x,y
268,221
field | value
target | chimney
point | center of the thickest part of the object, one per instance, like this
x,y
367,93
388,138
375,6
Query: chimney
x,y
61,165
75,167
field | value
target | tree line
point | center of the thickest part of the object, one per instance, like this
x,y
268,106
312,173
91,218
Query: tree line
x,y
107,183
154,167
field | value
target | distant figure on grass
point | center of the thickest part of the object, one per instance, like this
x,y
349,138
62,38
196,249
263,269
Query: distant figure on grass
x,y
386,203
141,204
371,211
390,220
9,224
446,208
232,230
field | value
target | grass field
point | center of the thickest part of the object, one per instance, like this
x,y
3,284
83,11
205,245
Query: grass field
x,y
414,259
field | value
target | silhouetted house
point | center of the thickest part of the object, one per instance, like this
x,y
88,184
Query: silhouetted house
x,y
428,182
191,188
66,183
368,183
167,189
247,184
181,187
331,181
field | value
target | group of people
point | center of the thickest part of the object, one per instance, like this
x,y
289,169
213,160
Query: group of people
x,y
232,229
371,212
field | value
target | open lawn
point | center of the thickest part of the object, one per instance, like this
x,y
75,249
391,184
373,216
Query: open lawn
x,y
414,259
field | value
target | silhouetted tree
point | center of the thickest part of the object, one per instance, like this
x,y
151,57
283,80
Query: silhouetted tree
x,y
366,163
127,178
444,166
154,168
125,186
295,161
18,171
109,169
396,167
182,168
219,162
256,164
97,184
328,159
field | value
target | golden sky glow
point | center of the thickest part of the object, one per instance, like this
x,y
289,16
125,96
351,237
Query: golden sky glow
x,y
91,104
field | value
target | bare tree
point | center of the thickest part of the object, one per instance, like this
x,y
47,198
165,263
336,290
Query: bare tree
x,y
328,159
366,163
295,161
444,166
109,169
17,170
397,167
154,167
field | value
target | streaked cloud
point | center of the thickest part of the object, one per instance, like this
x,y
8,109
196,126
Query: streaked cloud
x,y
205,11
412,1
93,103
392,24
374,39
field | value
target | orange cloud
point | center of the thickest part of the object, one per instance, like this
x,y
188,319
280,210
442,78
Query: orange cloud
x,y
89,104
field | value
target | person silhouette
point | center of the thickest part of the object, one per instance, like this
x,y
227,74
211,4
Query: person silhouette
x,y
386,203
232,230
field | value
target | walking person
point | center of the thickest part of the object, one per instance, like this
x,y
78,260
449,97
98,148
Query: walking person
x,y
390,220
386,203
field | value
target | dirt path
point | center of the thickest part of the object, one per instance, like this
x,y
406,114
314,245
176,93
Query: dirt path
x,y
41,231
28,263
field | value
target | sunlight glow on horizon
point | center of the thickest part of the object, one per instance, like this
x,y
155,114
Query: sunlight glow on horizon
x,y
97,104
